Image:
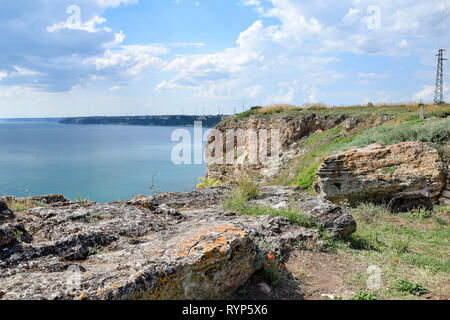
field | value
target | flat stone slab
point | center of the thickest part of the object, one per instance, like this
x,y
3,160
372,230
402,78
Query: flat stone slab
x,y
140,249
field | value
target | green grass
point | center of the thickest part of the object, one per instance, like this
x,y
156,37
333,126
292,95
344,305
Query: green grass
x,y
409,248
295,216
389,170
238,202
319,145
405,111
302,171
363,295
437,132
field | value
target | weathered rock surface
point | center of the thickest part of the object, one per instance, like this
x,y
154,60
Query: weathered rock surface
x,y
445,197
329,215
5,213
409,173
141,249
45,199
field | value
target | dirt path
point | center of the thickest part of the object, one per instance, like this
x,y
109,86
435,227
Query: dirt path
x,y
312,275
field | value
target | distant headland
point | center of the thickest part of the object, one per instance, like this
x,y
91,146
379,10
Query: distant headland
x,y
174,120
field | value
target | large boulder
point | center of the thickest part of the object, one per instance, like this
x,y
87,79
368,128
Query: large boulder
x,y
405,174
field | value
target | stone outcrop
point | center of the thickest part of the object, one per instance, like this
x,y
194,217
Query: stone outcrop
x,y
5,213
169,246
405,174
292,130
45,199
332,217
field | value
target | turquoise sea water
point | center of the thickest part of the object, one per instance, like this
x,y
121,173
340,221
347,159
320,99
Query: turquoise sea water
x,y
100,163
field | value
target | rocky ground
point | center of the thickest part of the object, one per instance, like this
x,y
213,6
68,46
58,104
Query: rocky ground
x,y
169,246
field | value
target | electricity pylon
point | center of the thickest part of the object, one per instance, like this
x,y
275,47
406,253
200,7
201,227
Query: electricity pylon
x,y
439,92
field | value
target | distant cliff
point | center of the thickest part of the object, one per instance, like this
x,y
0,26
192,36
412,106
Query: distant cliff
x,y
175,121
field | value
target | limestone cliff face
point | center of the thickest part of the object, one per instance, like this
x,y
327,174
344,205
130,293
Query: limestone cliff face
x,y
291,130
411,171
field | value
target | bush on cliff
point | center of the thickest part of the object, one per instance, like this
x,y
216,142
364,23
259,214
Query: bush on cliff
x,y
208,183
437,132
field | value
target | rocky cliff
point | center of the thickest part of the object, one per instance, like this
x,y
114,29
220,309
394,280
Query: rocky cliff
x,y
290,129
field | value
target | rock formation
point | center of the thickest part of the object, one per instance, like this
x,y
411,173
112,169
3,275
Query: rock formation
x,y
169,246
407,174
291,129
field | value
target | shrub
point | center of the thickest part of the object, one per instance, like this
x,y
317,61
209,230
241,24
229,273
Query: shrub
x,y
421,213
440,221
306,179
369,212
208,183
247,189
244,191
389,170
437,132
400,246
404,286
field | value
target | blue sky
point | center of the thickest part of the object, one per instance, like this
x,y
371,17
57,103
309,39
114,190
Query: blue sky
x,y
136,57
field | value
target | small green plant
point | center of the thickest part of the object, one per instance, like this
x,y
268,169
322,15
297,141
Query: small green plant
x,y
19,207
440,220
94,250
208,183
389,170
306,179
154,189
273,270
407,287
329,241
421,213
90,218
249,189
364,295
243,290
400,246
80,198
369,212
18,234
244,191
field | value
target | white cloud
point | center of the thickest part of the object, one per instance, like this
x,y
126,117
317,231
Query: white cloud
x,y
373,75
49,55
89,26
351,17
427,93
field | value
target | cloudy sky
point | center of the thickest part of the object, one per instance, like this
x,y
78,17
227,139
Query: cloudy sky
x,y
135,57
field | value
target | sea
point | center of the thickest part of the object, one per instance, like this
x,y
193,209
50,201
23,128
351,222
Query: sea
x,y
101,163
